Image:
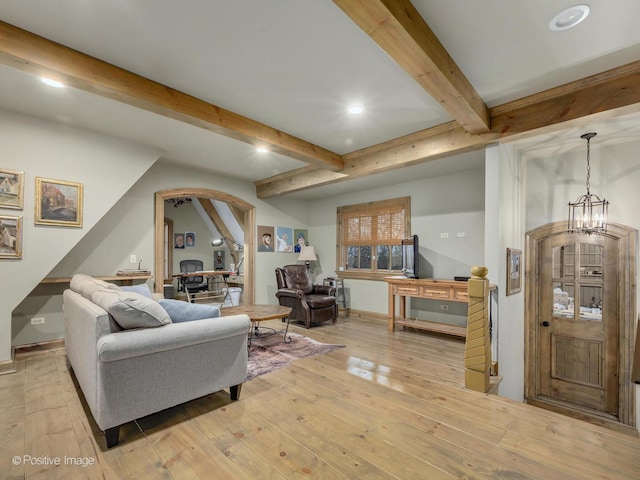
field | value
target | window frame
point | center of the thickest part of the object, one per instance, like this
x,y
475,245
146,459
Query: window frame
x,y
344,212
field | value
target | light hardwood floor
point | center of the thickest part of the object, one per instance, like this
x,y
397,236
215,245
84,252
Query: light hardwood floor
x,y
388,406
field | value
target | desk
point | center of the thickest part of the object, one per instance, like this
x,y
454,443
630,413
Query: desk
x,y
432,288
195,298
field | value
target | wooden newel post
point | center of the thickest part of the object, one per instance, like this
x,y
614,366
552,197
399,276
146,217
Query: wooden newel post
x,y
477,349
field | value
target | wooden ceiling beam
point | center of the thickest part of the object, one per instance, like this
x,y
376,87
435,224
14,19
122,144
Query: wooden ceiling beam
x,y
219,223
427,145
611,93
397,27
37,55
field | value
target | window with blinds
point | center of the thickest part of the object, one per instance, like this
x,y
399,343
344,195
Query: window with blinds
x,y
370,235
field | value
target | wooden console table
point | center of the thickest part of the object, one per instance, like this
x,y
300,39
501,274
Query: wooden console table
x,y
432,288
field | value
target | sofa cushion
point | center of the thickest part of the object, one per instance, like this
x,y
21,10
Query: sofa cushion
x,y
86,285
180,311
142,289
130,309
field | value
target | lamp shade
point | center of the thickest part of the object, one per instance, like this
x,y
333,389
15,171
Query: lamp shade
x,y
307,254
216,242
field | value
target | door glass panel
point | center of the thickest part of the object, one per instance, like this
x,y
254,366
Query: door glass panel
x,y
563,261
590,261
563,299
591,302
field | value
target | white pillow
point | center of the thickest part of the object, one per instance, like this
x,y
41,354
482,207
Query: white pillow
x,y
86,285
130,309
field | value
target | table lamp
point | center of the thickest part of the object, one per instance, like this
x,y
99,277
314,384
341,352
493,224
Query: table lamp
x,y
307,254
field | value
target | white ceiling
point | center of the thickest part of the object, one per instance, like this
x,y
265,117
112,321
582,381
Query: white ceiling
x,y
296,64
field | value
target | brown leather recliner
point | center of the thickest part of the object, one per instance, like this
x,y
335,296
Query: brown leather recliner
x,y
311,304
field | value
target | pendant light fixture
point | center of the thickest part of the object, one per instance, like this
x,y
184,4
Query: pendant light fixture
x,y
588,214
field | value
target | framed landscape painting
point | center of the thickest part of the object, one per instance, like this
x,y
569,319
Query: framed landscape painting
x,y
58,203
11,189
10,237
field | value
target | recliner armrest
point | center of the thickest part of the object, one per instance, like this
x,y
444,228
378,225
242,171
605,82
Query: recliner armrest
x,y
324,290
290,292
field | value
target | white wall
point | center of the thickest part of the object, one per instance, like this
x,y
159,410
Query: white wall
x,y
504,228
187,219
56,151
535,189
446,204
128,228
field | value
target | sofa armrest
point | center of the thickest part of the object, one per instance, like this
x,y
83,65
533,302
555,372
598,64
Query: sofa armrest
x,y
140,342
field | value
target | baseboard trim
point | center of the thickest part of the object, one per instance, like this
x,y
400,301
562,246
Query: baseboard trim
x,y
364,314
39,347
8,366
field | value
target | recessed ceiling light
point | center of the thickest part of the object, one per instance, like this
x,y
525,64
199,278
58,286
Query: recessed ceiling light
x,y
355,109
569,17
262,149
52,83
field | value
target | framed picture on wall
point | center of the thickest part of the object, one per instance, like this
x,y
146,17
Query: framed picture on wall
x,y
265,238
10,237
514,271
301,238
284,241
218,260
58,203
11,189
189,239
178,240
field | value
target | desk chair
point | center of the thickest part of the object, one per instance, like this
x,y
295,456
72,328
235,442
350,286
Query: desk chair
x,y
194,284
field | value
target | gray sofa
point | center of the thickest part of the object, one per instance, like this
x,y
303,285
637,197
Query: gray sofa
x,y
131,360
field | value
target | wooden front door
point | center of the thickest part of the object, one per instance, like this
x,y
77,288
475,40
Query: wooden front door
x,y
578,322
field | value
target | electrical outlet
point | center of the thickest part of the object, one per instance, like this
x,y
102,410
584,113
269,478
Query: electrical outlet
x,y
461,234
444,307
444,235
133,259
37,320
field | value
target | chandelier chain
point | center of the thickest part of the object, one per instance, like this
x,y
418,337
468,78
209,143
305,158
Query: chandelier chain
x,y
588,164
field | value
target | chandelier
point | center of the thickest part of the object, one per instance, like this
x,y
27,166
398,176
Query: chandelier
x,y
176,202
588,214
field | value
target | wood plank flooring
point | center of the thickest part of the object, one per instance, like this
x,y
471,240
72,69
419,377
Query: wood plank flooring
x,y
388,406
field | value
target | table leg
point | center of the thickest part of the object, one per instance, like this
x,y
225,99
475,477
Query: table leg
x,y
284,335
392,309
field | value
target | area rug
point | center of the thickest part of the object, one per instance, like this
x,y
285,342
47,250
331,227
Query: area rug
x,y
268,354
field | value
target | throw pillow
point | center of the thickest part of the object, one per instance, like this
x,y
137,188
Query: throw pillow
x,y
130,309
142,289
86,285
180,311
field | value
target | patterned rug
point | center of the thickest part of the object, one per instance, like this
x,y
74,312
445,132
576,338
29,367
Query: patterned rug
x,y
270,353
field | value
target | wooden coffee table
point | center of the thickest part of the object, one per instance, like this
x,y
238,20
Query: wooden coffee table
x,y
260,313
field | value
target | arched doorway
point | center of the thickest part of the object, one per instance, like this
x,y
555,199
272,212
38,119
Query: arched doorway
x,y
248,213
580,322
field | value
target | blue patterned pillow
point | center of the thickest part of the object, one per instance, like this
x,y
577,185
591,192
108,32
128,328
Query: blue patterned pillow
x,y
180,311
